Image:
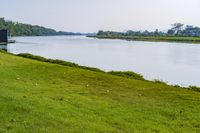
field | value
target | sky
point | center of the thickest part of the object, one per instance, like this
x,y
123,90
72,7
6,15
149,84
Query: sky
x,y
94,15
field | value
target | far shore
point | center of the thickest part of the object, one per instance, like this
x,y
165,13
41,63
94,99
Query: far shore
x,y
193,40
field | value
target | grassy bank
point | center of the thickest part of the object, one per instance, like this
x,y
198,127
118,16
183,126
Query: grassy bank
x,y
49,96
153,38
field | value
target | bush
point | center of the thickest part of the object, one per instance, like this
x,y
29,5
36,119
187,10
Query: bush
x,y
177,86
195,88
160,82
60,62
127,74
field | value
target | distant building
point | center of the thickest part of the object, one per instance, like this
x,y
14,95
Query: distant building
x,y
3,36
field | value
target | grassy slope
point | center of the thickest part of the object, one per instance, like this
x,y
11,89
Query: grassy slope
x,y
195,40
43,97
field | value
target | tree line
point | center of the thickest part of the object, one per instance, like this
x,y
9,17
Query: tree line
x,y
20,29
177,29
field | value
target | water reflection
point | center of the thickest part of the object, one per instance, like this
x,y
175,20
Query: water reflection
x,y
4,47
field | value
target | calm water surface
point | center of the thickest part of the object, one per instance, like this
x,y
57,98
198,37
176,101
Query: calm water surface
x,y
172,62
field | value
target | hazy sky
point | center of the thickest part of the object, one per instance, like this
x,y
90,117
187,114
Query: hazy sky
x,y
92,15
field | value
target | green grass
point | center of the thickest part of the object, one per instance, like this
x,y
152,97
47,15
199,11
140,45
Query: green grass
x,y
195,40
43,97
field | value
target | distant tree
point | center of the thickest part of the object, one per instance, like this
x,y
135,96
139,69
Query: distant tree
x,y
171,32
100,32
156,32
177,27
130,33
19,29
192,31
2,23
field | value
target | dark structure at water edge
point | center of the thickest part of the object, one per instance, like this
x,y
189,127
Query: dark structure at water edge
x,y
3,36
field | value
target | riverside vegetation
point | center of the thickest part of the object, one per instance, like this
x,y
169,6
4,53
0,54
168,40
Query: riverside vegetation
x,y
152,38
178,33
43,95
20,29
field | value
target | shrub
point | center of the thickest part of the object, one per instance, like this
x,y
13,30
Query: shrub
x,y
127,74
160,82
60,62
195,88
177,86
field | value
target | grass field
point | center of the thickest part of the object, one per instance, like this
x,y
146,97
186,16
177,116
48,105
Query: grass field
x,y
50,98
194,40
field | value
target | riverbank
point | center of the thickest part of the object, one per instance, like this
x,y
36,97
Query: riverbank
x,y
194,40
44,95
